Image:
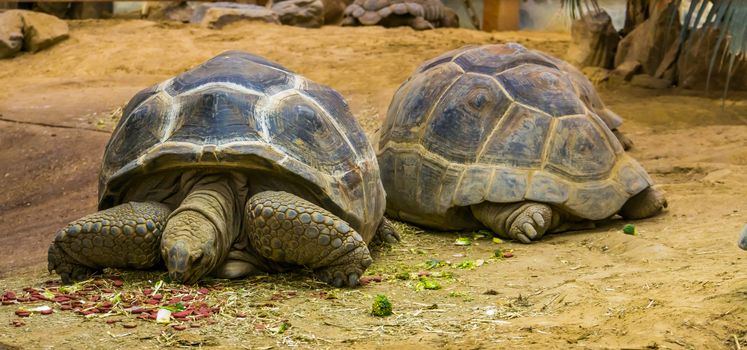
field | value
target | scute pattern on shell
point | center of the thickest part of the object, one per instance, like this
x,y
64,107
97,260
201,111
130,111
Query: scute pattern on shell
x,y
241,112
500,123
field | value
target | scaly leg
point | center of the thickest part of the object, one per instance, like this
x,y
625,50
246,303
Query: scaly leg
x,y
285,228
523,221
643,205
387,233
125,236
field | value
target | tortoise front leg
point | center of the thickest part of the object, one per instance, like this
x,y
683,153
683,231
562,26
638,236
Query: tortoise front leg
x,y
285,228
125,236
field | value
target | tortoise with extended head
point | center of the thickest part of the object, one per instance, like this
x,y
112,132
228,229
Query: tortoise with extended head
x,y
418,14
235,167
498,136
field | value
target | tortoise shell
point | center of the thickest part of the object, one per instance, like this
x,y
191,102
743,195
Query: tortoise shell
x,y
241,113
500,123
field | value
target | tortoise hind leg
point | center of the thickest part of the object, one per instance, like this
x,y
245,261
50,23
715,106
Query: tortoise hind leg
x,y
125,236
285,228
386,233
523,221
644,205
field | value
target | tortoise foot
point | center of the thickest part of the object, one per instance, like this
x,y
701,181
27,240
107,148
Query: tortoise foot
x,y
644,205
285,228
386,233
530,222
66,267
125,236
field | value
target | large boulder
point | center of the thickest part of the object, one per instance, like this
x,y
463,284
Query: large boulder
x,y
650,41
695,60
218,15
300,13
11,33
41,31
594,41
33,31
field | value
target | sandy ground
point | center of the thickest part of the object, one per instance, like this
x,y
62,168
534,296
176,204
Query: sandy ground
x,y
679,284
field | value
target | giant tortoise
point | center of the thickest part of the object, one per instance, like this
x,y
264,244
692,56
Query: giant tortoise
x,y
235,167
499,136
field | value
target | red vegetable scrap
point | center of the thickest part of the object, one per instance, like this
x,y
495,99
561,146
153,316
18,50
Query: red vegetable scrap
x,y
18,323
182,314
147,291
157,297
241,314
118,283
179,327
129,325
107,290
23,313
112,321
46,312
203,291
9,296
508,255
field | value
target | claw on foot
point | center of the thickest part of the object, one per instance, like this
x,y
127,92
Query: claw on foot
x,y
530,223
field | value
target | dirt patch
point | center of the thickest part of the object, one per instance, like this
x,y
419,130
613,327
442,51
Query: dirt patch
x,y
678,284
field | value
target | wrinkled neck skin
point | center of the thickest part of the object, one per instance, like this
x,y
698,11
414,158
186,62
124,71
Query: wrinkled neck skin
x,y
202,229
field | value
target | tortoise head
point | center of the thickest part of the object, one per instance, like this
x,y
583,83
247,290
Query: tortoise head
x,y
188,246
743,238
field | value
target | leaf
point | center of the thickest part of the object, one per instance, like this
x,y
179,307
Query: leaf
x,y
467,264
427,283
174,307
463,241
158,286
434,263
497,240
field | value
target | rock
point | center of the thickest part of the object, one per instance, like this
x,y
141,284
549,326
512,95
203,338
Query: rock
x,y
650,41
300,13
627,70
11,33
219,14
594,41
333,10
29,31
649,82
41,31
695,59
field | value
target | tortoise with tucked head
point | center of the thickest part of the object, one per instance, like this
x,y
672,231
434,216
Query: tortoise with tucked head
x,y
498,136
235,167
418,14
